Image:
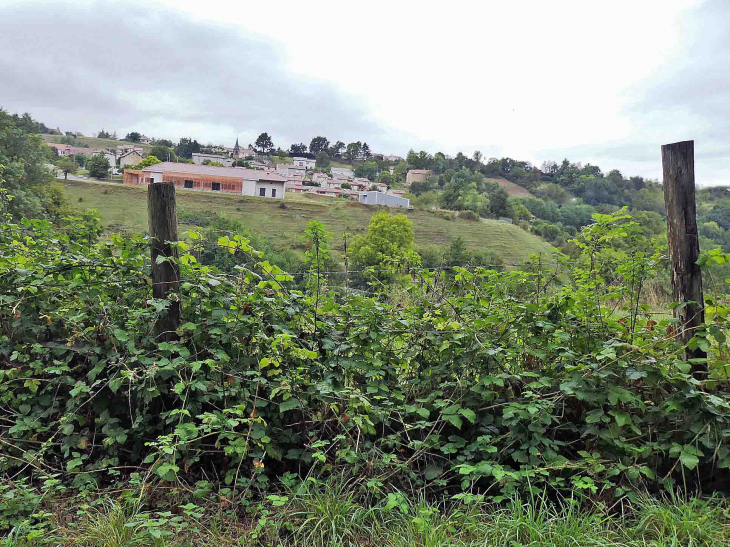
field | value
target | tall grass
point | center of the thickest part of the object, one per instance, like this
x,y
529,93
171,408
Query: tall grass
x,y
340,513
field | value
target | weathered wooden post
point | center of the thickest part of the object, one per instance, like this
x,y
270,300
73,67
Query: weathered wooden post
x,y
162,217
678,163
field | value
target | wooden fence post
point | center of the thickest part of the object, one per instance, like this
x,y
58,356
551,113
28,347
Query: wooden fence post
x,y
162,217
678,163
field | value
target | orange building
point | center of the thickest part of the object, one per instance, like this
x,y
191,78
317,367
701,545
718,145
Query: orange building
x,y
231,180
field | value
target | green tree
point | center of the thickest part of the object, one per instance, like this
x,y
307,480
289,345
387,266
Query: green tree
x,y
164,142
164,153
353,151
148,161
80,159
298,149
264,144
386,177
368,169
67,165
103,135
134,136
318,144
98,166
323,160
335,151
186,147
389,243
366,151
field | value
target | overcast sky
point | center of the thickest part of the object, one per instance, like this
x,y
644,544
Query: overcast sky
x,y
600,82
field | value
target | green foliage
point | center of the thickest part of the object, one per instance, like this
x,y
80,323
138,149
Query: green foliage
x,y
264,144
323,160
98,166
480,382
67,165
134,136
164,153
318,144
148,162
186,147
388,244
368,169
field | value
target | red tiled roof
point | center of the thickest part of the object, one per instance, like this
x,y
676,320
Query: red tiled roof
x,y
233,172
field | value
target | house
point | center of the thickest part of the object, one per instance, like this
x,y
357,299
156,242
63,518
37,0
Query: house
x,y
200,159
335,192
67,150
295,188
417,175
381,186
286,169
396,192
230,180
145,139
380,198
304,162
320,178
123,148
393,158
130,157
342,173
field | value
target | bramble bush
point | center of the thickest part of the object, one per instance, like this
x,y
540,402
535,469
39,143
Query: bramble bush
x,y
483,383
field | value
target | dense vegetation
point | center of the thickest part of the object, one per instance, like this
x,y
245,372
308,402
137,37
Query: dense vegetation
x,y
551,389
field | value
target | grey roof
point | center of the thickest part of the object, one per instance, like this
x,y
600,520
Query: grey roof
x,y
233,172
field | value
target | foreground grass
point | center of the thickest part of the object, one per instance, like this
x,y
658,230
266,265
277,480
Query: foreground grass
x,y
337,513
125,208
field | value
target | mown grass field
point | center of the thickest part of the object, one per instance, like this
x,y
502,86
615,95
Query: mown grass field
x,y
125,208
93,142
512,189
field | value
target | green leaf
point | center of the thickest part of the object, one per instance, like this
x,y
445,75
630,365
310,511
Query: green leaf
x,y
468,414
68,429
455,420
424,412
622,418
290,404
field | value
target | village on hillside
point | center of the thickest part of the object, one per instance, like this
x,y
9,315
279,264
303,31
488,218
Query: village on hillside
x,y
245,171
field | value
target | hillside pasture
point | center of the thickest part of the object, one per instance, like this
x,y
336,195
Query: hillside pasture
x,y
124,208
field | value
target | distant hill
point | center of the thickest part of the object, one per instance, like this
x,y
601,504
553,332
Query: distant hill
x,y
125,208
511,188
93,142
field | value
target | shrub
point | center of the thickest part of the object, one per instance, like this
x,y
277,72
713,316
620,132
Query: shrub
x,y
468,215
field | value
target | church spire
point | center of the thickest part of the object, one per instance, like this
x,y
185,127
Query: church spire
x,y
236,149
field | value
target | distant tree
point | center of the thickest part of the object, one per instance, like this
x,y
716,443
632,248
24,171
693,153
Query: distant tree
x,y
114,136
335,151
216,164
98,166
298,149
318,144
323,160
389,242
163,152
346,185
353,151
264,144
366,151
477,157
386,177
66,165
79,159
134,136
499,204
241,162
164,142
186,147
368,169
147,162
103,135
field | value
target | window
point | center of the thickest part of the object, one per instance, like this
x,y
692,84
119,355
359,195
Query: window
x,y
273,192
262,192
216,186
188,184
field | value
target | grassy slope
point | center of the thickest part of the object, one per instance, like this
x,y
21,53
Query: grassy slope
x,y
125,208
511,188
93,142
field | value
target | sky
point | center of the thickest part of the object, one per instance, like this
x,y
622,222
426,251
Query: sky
x,y
605,83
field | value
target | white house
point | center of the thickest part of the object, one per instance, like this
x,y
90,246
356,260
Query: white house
x,y
288,169
304,162
200,159
342,173
379,198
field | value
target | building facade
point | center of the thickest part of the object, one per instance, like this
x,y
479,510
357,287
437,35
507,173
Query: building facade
x,y
379,198
229,180
417,175
200,159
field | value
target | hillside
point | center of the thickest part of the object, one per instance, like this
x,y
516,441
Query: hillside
x,y
511,188
125,208
93,142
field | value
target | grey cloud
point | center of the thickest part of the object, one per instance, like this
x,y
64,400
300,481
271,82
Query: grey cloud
x,y
119,65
